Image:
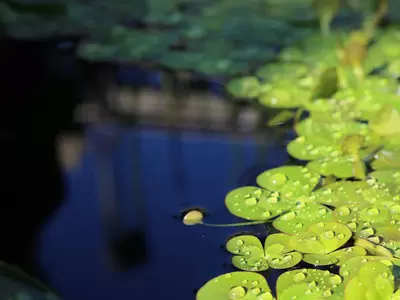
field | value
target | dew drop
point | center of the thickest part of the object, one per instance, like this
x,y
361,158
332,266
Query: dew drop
x,y
341,236
251,201
257,193
374,239
367,232
299,225
287,258
336,279
255,283
256,291
266,214
327,293
373,211
312,284
272,199
278,179
276,261
237,292
239,243
299,277
352,225
322,211
345,273
343,211
329,234
289,216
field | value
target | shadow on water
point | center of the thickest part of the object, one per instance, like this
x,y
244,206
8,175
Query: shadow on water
x,y
33,111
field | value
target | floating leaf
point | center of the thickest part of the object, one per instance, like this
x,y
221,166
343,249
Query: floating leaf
x,y
327,85
283,94
236,285
321,238
387,122
319,259
254,203
302,217
373,281
281,117
289,180
307,284
251,256
244,87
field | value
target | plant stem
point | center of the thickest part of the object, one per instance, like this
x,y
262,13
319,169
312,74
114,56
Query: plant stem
x,y
235,224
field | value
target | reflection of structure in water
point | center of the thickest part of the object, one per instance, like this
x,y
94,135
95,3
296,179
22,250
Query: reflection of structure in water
x,y
198,111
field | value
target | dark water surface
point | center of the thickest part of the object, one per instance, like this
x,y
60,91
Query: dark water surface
x,y
177,259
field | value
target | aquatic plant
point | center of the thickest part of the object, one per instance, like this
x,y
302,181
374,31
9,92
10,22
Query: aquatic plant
x,y
340,206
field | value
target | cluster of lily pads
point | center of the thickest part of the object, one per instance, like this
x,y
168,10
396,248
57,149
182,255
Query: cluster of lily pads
x,y
219,38
336,213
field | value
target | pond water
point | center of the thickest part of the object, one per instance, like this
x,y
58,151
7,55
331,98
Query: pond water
x,y
166,174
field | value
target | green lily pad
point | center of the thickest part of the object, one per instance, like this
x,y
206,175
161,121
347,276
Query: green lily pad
x,y
351,267
327,84
289,180
319,259
344,166
386,122
283,95
244,87
236,285
345,254
387,176
321,238
372,248
302,217
307,284
281,118
254,203
373,281
274,72
386,159
335,131
338,257
311,148
252,256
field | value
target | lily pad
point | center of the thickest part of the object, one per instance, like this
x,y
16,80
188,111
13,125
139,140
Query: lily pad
x,y
236,285
308,284
283,94
373,281
254,203
302,217
252,256
289,180
321,238
244,87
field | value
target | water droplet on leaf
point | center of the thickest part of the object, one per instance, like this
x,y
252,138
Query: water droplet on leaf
x,y
236,293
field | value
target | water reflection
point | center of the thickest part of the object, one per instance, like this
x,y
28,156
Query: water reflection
x,y
133,177
154,249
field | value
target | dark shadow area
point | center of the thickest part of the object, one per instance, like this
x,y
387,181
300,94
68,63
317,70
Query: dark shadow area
x,y
39,90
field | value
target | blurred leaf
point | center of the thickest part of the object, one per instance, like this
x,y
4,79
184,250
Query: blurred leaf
x,y
326,11
281,117
327,85
48,10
